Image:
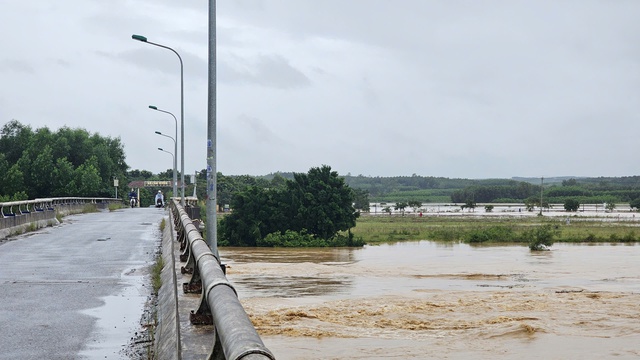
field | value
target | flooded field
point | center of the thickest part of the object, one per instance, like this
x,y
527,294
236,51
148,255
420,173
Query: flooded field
x,y
425,300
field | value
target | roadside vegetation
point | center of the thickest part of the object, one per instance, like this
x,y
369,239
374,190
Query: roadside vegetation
x,y
156,271
116,206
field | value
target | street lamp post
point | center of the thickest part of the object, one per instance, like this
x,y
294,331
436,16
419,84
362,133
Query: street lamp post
x,y
144,40
175,146
168,152
175,150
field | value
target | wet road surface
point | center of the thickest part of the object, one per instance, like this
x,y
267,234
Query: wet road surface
x,y
76,291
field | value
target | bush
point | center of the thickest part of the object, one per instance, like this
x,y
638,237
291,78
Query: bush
x,y
541,237
445,234
571,205
492,234
629,237
292,238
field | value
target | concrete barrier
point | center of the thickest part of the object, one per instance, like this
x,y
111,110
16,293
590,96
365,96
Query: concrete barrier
x,y
17,217
167,338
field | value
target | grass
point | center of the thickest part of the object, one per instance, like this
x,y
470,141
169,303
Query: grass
x,y
32,227
115,206
156,270
89,208
383,228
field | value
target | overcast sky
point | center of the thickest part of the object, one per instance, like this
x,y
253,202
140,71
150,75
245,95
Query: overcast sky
x,y
471,89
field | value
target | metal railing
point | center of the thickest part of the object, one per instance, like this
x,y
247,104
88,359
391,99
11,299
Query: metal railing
x,y
235,336
16,214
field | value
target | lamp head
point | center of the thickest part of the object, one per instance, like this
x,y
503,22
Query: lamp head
x,y
158,132
153,107
139,38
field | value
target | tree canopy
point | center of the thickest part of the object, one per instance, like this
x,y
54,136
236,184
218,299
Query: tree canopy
x,y
67,162
317,203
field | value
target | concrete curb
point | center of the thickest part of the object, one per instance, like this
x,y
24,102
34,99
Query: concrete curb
x,y
167,339
21,229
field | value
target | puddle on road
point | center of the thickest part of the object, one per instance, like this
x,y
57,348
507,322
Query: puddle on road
x,y
116,321
422,300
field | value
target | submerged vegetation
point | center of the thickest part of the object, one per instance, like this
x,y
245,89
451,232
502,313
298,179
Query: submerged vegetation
x,y
534,230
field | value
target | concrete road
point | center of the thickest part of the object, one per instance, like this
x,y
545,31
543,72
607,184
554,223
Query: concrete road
x,y
77,290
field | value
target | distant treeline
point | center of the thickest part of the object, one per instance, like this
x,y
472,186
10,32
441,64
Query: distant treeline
x,y
439,189
586,191
73,162
69,162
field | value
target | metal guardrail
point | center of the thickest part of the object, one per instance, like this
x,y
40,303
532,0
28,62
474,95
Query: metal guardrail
x,y
235,336
17,214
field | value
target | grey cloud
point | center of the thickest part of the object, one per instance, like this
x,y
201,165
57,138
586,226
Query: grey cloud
x,y
17,66
269,71
162,60
450,73
62,62
371,97
259,131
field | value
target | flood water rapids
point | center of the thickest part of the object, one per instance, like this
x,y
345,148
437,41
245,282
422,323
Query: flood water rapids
x,y
429,300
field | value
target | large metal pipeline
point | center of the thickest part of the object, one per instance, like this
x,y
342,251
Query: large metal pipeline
x,y
236,337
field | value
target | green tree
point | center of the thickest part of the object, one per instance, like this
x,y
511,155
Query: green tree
x,y
88,180
400,206
610,206
278,182
40,174
140,174
387,209
570,182
488,208
571,205
323,203
253,217
63,179
318,203
14,139
541,237
470,204
530,203
37,155
13,181
635,204
4,169
414,204
361,200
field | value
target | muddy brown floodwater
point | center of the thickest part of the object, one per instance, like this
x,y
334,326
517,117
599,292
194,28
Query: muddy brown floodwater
x,y
425,300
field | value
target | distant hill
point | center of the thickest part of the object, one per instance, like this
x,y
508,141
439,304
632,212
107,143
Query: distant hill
x,y
547,180
516,189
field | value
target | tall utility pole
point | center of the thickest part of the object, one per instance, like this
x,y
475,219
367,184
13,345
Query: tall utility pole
x,y
212,200
541,187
